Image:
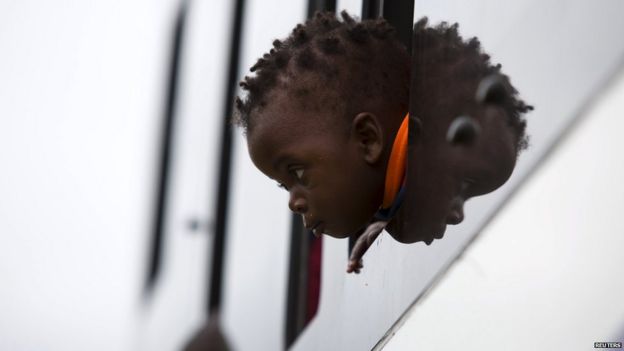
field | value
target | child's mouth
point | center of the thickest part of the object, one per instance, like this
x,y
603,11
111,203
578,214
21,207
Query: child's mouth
x,y
318,229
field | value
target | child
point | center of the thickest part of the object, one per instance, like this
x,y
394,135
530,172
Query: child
x,y
325,117
321,114
466,131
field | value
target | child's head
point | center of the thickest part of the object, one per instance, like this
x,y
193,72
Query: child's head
x,y
446,74
320,115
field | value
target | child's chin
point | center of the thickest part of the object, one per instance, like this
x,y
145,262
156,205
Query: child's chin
x,y
408,236
337,235
345,231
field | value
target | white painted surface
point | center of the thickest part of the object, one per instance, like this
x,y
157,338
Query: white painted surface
x,y
81,101
80,108
546,274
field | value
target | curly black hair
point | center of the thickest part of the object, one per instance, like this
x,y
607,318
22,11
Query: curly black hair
x,y
443,64
356,66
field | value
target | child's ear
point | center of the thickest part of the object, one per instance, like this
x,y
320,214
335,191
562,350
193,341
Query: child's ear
x,y
367,131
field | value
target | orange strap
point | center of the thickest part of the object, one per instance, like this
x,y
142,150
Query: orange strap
x,y
396,165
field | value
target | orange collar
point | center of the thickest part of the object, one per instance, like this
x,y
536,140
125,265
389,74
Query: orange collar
x,y
395,173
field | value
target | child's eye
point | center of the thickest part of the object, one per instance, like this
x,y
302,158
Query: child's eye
x,y
299,173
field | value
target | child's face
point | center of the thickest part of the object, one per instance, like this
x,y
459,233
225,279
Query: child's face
x,y
317,160
442,176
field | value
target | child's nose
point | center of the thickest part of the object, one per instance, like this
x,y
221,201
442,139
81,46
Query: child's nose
x,y
297,204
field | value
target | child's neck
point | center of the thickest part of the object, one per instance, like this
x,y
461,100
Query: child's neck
x,y
394,187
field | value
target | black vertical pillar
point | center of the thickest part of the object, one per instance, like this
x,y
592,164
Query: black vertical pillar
x,y
320,5
372,8
225,163
400,13
155,258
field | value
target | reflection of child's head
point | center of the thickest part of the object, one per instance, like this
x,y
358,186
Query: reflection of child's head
x,y
320,114
446,74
